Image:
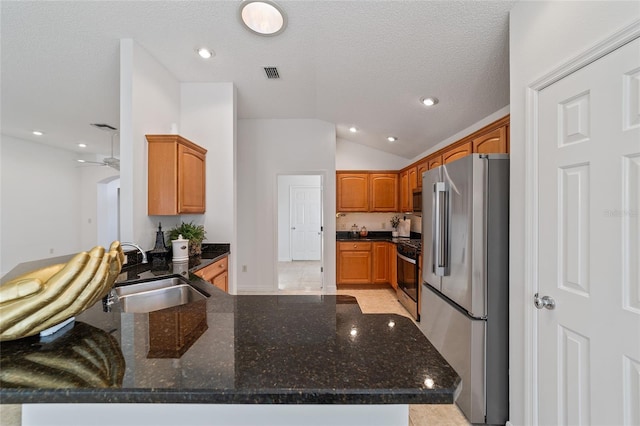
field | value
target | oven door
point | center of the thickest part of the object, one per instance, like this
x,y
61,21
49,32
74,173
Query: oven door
x,y
408,285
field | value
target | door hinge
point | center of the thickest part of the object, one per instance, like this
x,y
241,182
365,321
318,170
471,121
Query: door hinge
x,y
322,229
321,269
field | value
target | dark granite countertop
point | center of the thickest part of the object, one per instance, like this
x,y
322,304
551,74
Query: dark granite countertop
x,y
230,349
375,236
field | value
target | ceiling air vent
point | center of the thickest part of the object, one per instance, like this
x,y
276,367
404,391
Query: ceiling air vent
x,y
105,127
271,72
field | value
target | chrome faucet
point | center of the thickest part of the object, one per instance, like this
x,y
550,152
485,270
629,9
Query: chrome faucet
x,y
144,254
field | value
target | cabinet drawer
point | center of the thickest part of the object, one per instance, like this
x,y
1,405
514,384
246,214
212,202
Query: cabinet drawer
x,y
354,246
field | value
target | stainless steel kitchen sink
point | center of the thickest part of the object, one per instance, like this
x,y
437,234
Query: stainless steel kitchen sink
x,y
155,294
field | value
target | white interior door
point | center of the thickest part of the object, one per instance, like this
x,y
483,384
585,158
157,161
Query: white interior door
x,y
306,223
589,243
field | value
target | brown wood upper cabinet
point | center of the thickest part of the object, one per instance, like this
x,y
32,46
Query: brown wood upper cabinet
x,y
434,161
456,153
176,176
383,188
492,142
408,182
366,192
352,192
422,167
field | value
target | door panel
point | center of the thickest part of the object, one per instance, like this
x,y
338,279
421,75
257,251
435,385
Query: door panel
x,y
305,223
588,239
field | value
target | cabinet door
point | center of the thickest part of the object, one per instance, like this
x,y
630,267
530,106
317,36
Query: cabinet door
x,y
354,267
384,192
222,281
422,167
404,191
456,153
492,142
434,161
381,270
162,190
191,180
352,192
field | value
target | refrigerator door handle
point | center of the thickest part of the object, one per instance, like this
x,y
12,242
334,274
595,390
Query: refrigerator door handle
x,y
441,224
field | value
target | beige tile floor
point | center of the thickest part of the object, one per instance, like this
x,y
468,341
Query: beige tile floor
x,y
372,299
299,275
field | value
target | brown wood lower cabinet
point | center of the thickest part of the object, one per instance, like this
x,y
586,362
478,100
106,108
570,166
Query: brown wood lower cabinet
x,y
354,263
216,273
366,262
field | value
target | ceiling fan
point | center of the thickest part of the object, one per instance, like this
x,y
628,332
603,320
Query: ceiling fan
x,y
111,161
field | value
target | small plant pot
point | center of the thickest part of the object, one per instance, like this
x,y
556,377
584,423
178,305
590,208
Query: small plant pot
x,y
394,234
195,248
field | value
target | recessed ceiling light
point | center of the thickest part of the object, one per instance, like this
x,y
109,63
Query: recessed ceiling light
x,y
82,145
392,138
263,17
37,133
80,161
353,129
205,53
429,101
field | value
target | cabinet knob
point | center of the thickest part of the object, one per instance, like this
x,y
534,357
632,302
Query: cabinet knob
x,y
221,265
355,246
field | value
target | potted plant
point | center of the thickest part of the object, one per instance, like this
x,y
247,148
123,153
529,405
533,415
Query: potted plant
x,y
192,232
395,221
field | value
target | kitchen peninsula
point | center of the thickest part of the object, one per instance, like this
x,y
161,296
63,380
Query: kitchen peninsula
x,y
307,349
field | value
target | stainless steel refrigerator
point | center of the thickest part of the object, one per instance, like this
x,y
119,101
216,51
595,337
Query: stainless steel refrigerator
x,y
465,310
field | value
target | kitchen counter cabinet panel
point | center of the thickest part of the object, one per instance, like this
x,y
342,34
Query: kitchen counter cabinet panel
x,y
352,192
176,176
384,192
422,167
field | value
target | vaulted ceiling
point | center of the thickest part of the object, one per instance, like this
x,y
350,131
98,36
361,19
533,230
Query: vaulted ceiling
x,y
353,63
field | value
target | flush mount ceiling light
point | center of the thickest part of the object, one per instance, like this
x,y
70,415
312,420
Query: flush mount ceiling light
x,y
353,129
392,138
429,101
205,53
263,17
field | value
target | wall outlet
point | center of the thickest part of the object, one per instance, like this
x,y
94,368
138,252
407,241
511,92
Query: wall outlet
x,y
244,268
343,226
384,225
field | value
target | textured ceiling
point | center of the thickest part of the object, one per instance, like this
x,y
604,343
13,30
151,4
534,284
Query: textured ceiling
x,y
362,63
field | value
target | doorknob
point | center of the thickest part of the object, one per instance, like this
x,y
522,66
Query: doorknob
x,y
546,302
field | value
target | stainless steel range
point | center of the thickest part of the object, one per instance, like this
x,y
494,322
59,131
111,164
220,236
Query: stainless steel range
x,y
408,290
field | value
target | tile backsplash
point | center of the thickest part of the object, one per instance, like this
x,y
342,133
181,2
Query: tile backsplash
x,y
375,221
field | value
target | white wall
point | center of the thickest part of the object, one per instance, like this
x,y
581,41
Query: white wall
x,y
285,182
267,148
108,215
40,198
543,35
149,104
94,205
353,156
207,118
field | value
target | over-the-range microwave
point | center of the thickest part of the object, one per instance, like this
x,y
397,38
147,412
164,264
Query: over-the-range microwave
x,y
417,200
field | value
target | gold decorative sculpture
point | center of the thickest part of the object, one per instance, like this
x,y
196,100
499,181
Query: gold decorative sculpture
x,y
40,299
